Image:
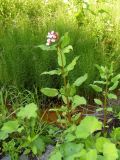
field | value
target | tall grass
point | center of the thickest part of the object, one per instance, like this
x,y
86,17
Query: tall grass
x,y
24,25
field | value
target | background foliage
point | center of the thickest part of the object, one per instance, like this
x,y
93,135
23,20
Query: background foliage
x,y
93,26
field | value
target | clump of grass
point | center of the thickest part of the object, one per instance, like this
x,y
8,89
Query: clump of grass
x,y
25,24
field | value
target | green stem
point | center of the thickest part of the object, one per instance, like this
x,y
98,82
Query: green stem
x,y
65,82
105,105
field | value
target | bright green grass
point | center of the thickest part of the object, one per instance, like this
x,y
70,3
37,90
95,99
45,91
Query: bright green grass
x,y
25,24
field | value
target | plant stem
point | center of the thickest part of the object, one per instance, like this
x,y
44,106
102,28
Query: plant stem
x,y
65,83
105,105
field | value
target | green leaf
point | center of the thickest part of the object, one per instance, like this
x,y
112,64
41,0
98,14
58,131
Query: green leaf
x,y
77,100
99,109
56,155
114,86
99,82
115,134
29,111
91,155
100,157
79,155
10,126
65,40
70,148
3,135
75,117
102,71
71,66
72,90
110,151
97,101
50,92
69,137
53,72
100,142
61,59
80,80
34,150
96,88
116,78
87,126
109,109
112,96
47,48
67,49
38,146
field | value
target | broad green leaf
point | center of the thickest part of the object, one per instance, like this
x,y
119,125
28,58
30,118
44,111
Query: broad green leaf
x,y
80,80
91,155
34,150
70,148
47,48
56,155
65,40
110,151
77,100
3,135
10,126
71,66
87,126
109,109
69,91
61,59
100,157
112,96
71,129
53,72
98,101
29,111
50,92
102,71
72,90
69,137
79,155
115,134
114,86
96,88
116,78
67,49
39,145
100,142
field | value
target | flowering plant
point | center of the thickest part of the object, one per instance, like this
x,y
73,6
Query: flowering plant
x,y
52,37
67,91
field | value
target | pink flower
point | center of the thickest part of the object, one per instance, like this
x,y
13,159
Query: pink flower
x,y
52,37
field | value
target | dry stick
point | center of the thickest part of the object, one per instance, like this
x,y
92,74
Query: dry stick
x,y
65,83
12,113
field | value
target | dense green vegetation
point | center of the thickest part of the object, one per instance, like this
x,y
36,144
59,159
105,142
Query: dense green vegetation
x,y
59,78
93,28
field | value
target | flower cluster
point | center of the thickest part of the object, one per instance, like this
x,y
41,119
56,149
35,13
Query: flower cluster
x,y
52,37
